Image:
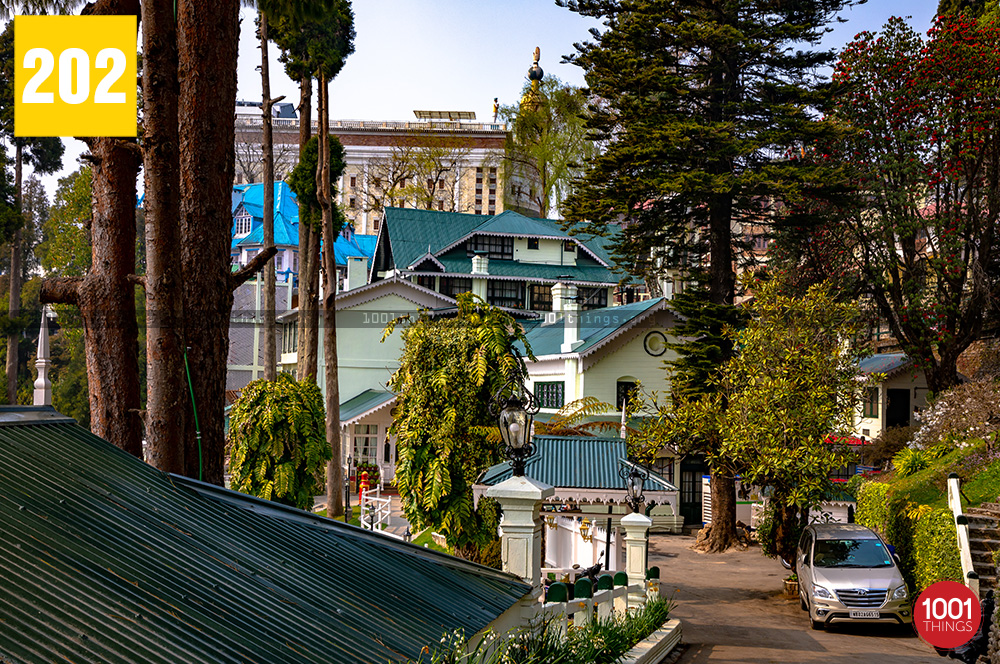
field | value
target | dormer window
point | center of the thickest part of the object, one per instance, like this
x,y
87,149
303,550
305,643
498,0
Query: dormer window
x,y
495,247
242,225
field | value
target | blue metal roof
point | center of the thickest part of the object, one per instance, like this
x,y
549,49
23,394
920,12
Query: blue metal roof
x,y
887,363
579,462
105,559
285,205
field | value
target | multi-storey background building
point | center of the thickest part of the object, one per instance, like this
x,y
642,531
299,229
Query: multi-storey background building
x,y
443,160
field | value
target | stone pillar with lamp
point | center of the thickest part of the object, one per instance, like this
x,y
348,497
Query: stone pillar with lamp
x,y
520,497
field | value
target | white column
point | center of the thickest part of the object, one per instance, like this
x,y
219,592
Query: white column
x,y
636,527
521,499
43,386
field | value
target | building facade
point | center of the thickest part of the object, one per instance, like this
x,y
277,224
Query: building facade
x,y
444,161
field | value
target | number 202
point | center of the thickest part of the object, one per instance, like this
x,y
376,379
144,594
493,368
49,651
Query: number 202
x,y
108,57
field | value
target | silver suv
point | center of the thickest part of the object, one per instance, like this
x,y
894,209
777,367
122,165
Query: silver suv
x,y
848,574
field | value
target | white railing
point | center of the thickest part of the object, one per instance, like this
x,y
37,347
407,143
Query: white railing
x,y
969,576
375,509
605,602
446,125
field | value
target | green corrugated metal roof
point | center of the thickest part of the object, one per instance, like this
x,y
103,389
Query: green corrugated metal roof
x,y
105,559
414,232
592,273
595,326
578,462
512,223
362,403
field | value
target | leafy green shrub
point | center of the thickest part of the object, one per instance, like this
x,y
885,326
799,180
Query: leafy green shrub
x,y
277,442
873,505
854,485
924,538
935,548
909,461
887,444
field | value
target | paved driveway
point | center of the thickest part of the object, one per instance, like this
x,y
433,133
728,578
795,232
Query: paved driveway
x,y
733,611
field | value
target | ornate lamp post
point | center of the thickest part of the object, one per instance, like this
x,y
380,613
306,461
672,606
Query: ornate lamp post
x,y
515,408
635,479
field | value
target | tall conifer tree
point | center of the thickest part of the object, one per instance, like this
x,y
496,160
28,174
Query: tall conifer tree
x,y
703,106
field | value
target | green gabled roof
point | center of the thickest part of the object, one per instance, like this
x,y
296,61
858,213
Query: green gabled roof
x,y
596,325
363,403
601,246
512,223
414,232
579,462
593,273
105,559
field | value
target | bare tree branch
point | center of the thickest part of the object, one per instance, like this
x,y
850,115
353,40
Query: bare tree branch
x,y
244,274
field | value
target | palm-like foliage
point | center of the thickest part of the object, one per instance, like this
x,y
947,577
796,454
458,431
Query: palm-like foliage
x,y
9,9
573,419
277,447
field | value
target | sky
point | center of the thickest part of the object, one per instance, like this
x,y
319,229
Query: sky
x,y
457,55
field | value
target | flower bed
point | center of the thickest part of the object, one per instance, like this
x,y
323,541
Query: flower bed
x,y
598,642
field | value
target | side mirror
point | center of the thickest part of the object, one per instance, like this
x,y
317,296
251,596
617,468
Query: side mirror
x,y
786,564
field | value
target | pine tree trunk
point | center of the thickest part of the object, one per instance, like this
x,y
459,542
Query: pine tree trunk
x,y
270,359
722,290
334,469
207,37
14,303
308,342
167,402
106,295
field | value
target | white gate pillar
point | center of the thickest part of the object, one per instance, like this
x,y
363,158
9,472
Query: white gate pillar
x,y
521,499
636,529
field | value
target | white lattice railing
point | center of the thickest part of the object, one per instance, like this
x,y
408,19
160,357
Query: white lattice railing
x,y
375,509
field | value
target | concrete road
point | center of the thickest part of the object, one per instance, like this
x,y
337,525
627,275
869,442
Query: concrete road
x,y
733,610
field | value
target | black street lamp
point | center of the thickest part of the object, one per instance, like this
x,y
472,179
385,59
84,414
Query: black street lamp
x,y
635,479
347,491
515,408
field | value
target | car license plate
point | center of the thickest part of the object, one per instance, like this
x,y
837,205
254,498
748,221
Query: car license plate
x,y
864,614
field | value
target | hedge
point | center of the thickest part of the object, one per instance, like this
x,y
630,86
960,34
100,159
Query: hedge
x,y
925,539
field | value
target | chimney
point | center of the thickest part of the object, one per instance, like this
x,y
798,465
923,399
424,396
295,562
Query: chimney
x,y
357,271
481,264
564,300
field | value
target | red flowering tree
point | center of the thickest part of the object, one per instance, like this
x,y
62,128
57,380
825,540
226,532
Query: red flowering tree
x,y
919,235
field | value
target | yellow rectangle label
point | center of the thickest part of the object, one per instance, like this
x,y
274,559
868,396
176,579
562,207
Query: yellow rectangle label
x,y
75,75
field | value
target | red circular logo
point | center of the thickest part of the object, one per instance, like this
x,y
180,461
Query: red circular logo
x,y
947,614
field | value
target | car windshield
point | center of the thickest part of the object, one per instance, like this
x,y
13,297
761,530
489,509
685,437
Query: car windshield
x,y
851,553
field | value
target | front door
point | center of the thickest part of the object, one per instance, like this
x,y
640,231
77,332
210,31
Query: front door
x,y
692,470
897,408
